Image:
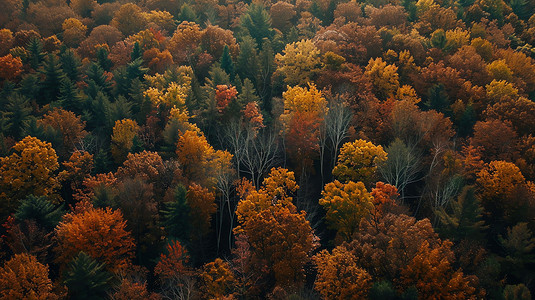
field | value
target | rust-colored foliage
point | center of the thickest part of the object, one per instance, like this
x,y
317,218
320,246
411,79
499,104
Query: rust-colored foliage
x,y
224,94
384,198
69,125
10,67
174,263
430,270
339,275
277,233
146,165
23,277
77,168
131,290
98,232
202,204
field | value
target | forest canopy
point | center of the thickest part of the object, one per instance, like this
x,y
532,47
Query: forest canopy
x,y
293,149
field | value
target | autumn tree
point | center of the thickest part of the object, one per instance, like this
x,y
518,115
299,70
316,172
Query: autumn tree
x,y
377,246
339,275
282,15
358,161
23,277
304,110
299,62
174,271
99,232
346,204
10,67
499,184
74,32
430,270
217,279
185,42
384,77
129,19
29,170
122,138
69,125
268,217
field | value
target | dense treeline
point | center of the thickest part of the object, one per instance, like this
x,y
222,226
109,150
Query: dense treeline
x,y
307,149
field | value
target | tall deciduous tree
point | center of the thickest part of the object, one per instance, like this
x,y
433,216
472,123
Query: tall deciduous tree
x,y
358,161
99,232
23,277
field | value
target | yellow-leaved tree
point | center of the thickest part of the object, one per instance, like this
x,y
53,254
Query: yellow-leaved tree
x,y
122,138
299,62
30,169
358,161
346,204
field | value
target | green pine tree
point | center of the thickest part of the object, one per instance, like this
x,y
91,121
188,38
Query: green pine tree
x,y
136,52
85,278
226,63
16,116
257,22
438,99
40,210
35,53
70,63
177,215
69,96
464,219
187,14
53,74
247,62
102,59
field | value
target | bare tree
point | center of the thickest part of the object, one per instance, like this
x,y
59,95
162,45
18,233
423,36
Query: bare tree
x,y
337,124
402,166
261,154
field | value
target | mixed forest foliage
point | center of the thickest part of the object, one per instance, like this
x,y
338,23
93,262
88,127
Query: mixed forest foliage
x,y
299,149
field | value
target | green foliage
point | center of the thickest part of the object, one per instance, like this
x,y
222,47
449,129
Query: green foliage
x,y
177,215
16,115
41,210
36,54
70,64
187,14
69,97
257,22
53,74
102,59
464,220
226,63
86,278
438,99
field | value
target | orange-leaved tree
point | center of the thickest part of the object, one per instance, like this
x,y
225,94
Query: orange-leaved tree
x,y
100,233
217,279
339,275
23,277
277,233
